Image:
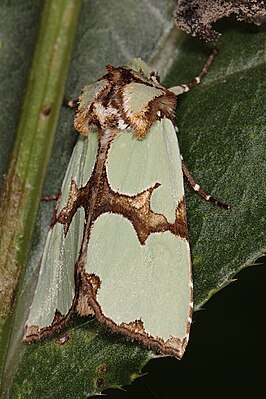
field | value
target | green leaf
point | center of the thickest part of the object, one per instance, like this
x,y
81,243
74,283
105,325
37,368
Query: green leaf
x,y
89,361
221,125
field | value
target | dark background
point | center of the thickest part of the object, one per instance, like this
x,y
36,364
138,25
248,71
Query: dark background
x,y
225,357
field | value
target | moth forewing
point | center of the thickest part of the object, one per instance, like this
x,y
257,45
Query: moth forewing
x,y
118,247
140,250
55,290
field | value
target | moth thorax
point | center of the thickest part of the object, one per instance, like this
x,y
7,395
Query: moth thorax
x,y
105,117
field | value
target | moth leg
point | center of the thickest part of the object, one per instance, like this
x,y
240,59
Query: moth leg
x,y
70,103
202,193
52,197
186,86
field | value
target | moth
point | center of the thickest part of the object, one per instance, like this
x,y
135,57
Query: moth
x,y
118,245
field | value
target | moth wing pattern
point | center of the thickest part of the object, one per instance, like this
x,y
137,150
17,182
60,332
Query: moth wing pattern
x,y
55,288
118,246
145,287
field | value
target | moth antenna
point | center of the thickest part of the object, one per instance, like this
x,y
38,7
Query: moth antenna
x,y
187,86
203,72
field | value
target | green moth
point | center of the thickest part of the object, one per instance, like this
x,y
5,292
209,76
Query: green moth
x,y
118,245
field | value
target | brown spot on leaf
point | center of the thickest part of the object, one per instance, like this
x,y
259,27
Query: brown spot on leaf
x,y
63,339
102,368
46,110
99,382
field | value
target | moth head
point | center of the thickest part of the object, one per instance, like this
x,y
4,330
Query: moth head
x,y
144,71
129,97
